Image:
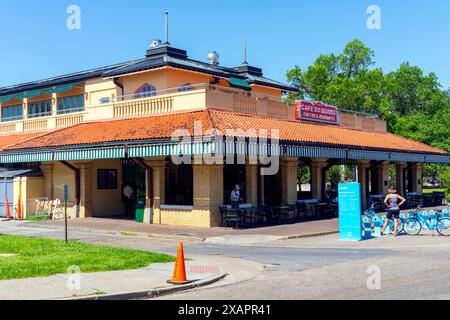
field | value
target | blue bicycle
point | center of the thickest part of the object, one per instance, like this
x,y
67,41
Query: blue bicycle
x,y
419,219
372,215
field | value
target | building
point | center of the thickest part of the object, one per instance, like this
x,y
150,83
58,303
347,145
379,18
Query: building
x,y
97,130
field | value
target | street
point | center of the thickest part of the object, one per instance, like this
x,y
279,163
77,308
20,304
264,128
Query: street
x,y
308,268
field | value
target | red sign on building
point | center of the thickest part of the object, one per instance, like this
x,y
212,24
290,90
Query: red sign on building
x,y
316,111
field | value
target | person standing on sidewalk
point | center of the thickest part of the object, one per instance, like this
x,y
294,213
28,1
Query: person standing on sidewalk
x,y
393,202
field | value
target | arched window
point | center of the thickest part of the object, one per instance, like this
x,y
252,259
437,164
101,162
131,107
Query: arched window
x,y
147,90
186,87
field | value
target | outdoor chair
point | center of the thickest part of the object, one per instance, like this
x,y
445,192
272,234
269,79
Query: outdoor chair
x,y
293,210
222,216
274,216
233,216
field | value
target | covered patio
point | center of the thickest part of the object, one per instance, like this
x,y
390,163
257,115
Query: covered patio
x,y
186,179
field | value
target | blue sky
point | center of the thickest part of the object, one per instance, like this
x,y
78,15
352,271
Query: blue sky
x,y
36,43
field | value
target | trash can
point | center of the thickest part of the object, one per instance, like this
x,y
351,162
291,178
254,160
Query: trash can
x,y
140,210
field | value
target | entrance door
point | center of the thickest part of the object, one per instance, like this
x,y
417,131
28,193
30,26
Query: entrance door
x,y
134,175
6,191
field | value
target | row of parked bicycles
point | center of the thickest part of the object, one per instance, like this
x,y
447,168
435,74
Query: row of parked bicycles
x,y
416,220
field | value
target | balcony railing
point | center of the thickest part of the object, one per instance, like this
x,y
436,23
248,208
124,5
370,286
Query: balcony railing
x,y
195,97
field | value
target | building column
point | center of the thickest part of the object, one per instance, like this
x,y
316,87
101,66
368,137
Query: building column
x,y
400,168
363,167
289,180
208,195
47,171
159,189
416,178
383,178
85,210
317,178
251,172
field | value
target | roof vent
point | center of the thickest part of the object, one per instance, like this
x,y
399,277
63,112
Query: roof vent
x,y
155,44
213,58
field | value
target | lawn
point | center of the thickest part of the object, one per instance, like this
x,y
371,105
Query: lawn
x,y
43,257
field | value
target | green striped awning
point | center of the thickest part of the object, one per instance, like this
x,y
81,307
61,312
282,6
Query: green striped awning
x,y
170,150
5,99
243,148
26,95
61,89
239,83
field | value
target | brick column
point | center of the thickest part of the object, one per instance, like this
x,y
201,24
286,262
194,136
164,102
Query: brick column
x,y
363,166
416,178
208,195
251,172
383,178
85,190
159,189
289,180
400,177
47,171
317,178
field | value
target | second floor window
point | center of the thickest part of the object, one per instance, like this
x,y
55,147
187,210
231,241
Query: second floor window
x,y
70,104
147,90
40,109
12,113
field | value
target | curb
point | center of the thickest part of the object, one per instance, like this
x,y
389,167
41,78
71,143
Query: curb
x,y
117,233
312,235
153,293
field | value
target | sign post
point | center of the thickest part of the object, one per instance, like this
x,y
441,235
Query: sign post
x,y
350,221
66,198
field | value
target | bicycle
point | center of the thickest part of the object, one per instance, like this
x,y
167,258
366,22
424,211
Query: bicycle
x,y
413,226
371,214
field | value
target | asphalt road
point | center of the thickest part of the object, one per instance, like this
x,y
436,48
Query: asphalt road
x,y
315,268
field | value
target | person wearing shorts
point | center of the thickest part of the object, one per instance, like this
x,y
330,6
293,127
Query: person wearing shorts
x,y
393,202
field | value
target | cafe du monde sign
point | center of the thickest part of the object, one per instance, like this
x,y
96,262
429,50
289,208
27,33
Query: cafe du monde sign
x,y
316,111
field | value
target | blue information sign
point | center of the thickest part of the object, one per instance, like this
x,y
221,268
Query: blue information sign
x,y
350,221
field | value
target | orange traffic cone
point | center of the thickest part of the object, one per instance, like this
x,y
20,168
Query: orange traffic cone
x,y
8,210
179,274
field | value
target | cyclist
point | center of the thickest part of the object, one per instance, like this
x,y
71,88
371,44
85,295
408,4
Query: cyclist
x,y
393,202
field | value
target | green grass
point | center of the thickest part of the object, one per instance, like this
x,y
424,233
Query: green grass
x,y
43,257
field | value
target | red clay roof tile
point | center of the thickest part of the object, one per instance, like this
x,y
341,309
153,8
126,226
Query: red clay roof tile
x,y
163,126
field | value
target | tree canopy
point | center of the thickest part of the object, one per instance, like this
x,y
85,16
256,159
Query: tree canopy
x,y
413,103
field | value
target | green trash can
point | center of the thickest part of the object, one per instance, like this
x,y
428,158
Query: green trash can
x,y
140,210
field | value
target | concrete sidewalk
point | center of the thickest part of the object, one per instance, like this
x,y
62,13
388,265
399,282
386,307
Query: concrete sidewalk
x,y
131,228
129,284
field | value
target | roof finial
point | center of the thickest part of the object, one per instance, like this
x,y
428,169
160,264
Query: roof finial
x,y
167,28
245,50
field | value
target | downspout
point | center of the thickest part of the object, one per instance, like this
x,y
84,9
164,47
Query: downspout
x,y
77,185
149,192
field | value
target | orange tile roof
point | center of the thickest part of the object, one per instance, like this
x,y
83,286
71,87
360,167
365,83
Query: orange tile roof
x,y
305,132
13,139
162,127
